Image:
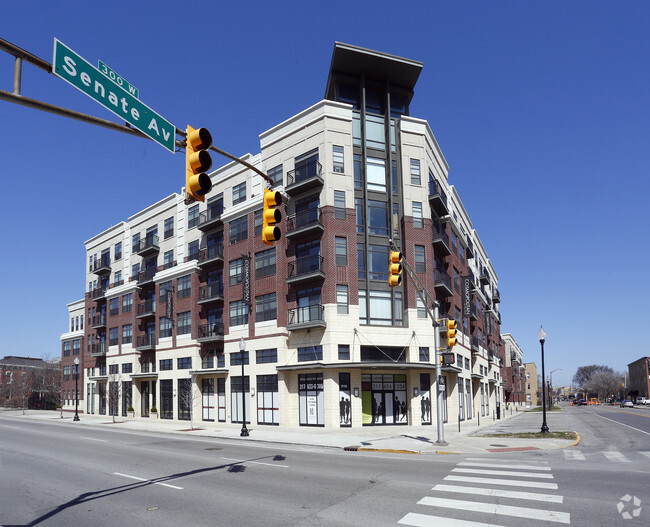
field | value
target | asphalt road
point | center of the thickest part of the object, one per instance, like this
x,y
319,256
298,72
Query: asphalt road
x,y
59,474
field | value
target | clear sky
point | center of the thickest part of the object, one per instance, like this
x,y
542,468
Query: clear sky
x,y
542,110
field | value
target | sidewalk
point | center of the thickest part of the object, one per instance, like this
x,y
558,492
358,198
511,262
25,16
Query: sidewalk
x,y
407,439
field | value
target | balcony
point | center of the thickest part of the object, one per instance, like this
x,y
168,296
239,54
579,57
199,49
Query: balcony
x,y
210,293
98,349
305,269
305,177
146,309
102,266
440,241
99,321
304,223
473,314
306,317
211,218
145,342
496,296
442,283
211,255
475,345
211,332
146,276
99,293
437,198
469,249
148,246
484,278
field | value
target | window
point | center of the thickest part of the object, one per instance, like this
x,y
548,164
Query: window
x,y
169,227
380,308
236,271
339,204
456,280
265,263
342,299
341,246
235,359
76,346
135,271
378,217
185,286
127,334
378,262
420,264
266,356
193,216
258,221
166,364
415,172
238,230
114,306
454,242
422,311
127,367
184,323
361,261
424,354
118,278
266,307
358,180
358,206
337,158
276,175
168,259
418,222
238,313
118,251
66,348
66,374
113,369
193,250
184,363
165,327
114,338
344,352
376,174
127,303
239,193
310,353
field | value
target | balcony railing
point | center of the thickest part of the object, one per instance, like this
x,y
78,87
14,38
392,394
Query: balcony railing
x,y
147,246
99,321
99,293
304,177
485,277
475,345
98,349
303,223
146,275
442,283
306,317
210,293
469,249
146,309
211,217
437,198
440,240
102,266
145,342
304,269
496,296
211,332
211,254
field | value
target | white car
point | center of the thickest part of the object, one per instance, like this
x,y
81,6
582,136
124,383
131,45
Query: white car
x,y
642,400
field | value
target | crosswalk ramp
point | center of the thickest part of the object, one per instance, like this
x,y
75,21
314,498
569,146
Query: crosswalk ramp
x,y
613,456
481,491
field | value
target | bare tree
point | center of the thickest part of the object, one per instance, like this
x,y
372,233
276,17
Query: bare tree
x,y
53,384
605,383
583,373
114,393
187,396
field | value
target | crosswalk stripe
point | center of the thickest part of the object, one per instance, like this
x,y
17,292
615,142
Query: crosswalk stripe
x,y
510,482
502,473
614,455
574,455
493,508
502,465
424,520
492,459
499,493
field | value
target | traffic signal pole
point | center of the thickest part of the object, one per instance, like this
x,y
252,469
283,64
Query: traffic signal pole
x,y
429,302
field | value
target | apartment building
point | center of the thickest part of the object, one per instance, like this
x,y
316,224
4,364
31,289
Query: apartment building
x,y
639,378
514,372
176,291
533,389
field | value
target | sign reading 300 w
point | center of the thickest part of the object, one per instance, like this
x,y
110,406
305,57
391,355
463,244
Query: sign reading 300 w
x,y
85,77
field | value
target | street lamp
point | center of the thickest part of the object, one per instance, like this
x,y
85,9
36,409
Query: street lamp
x,y
76,388
553,389
242,348
542,337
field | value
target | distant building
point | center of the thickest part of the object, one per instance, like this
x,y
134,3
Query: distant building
x,y
21,382
514,371
533,395
638,378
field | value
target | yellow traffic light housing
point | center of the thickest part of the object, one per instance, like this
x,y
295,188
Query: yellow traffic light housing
x,y
271,216
197,163
395,268
451,332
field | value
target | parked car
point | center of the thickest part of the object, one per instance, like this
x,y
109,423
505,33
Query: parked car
x,y
627,404
642,400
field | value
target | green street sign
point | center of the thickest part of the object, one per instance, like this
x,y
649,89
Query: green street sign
x,y
118,79
77,71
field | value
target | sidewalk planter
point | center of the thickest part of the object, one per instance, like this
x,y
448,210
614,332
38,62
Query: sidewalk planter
x,y
130,413
154,413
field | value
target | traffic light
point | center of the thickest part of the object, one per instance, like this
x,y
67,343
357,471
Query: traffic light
x,y
271,216
197,163
395,268
451,332
447,359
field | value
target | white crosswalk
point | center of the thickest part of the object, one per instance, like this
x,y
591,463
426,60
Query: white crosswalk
x,y
613,456
456,503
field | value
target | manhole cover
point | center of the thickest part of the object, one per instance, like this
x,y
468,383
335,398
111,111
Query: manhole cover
x,y
500,445
214,448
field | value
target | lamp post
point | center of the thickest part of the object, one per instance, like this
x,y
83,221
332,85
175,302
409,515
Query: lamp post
x,y
542,337
76,389
242,348
552,389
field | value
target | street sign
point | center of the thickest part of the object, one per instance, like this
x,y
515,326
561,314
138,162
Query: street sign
x,y
118,79
78,72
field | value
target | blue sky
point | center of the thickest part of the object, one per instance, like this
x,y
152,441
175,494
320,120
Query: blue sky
x,y
542,110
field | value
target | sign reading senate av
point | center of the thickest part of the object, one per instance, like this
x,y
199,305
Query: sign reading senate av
x,y
85,77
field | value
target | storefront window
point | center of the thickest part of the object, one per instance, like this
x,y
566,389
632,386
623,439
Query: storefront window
x,y
310,391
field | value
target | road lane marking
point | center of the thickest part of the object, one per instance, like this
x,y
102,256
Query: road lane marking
x,y
94,439
424,520
646,454
493,508
502,473
492,459
502,465
533,496
622,424
497,481
255,462
147,480
574,455
615,455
